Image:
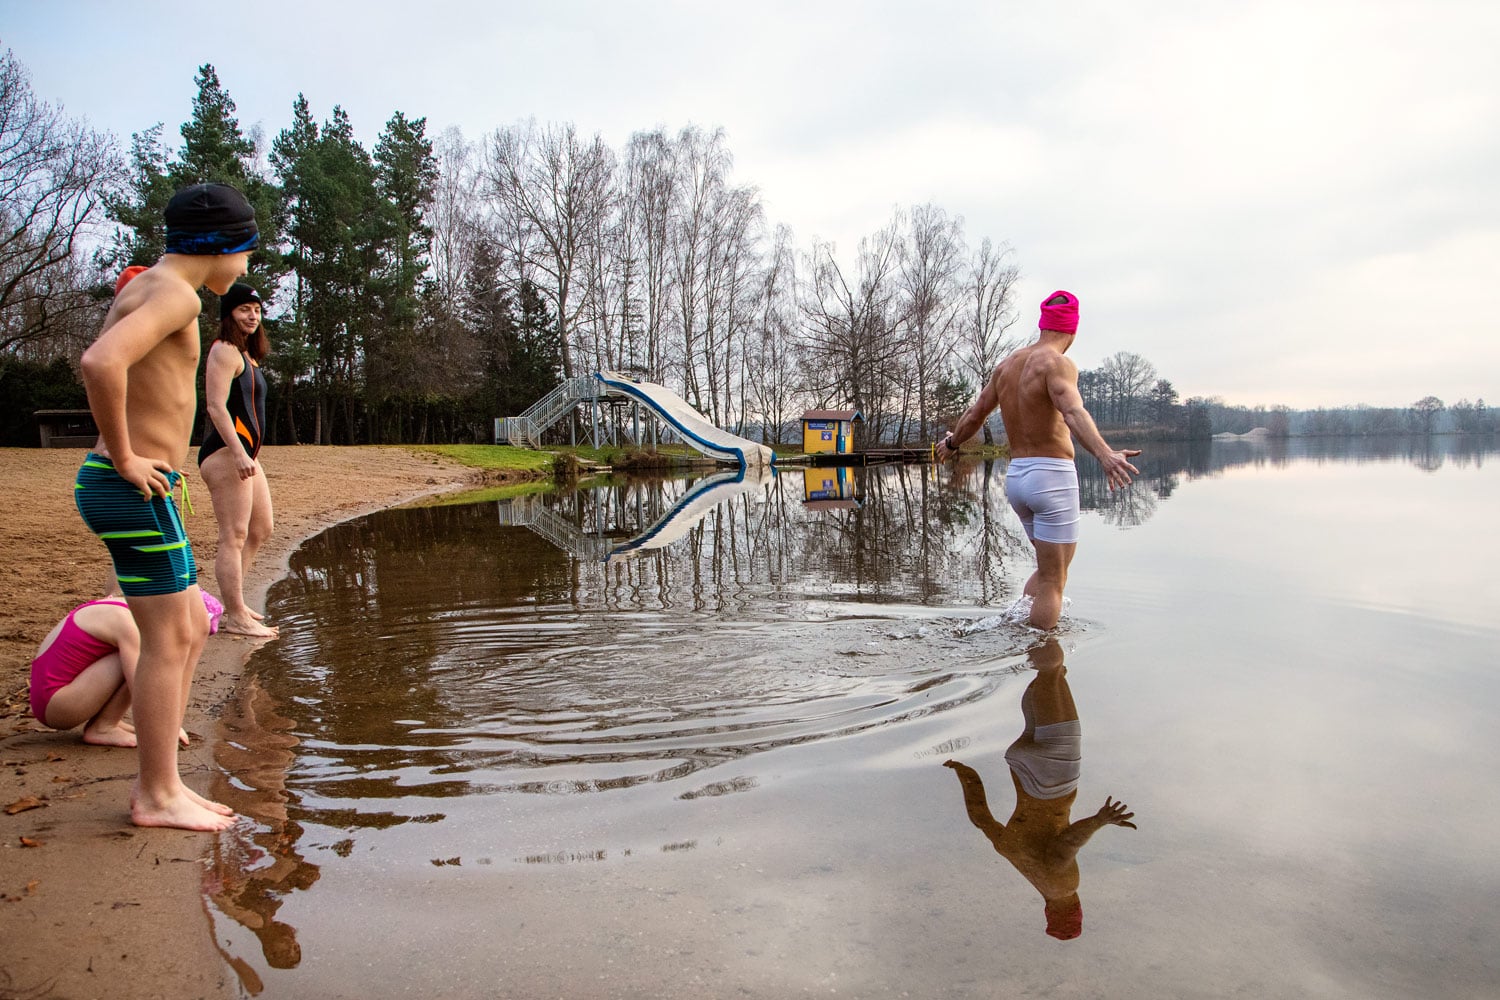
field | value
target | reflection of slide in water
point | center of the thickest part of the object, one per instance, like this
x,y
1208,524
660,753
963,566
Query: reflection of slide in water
x,y
695,429
706,494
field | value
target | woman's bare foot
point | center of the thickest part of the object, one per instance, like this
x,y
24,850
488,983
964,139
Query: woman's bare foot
x,y
119,735
247,625
180,811
256,615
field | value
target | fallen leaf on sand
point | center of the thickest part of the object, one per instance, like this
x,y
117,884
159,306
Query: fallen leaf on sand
x,y
23,804
29,842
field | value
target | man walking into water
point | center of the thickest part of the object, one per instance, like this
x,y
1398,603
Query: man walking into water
x,y
1036,389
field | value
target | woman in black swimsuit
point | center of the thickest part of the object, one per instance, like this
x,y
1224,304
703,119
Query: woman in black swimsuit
x,y
235,391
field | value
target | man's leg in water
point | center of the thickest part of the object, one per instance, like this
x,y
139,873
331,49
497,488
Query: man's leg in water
x,y
1045,587
172,634
1051,698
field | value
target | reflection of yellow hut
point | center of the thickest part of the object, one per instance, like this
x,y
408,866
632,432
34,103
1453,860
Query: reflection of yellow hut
x,y
828,430
830,488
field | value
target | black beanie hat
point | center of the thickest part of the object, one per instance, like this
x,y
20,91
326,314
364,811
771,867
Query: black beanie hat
x,y
208,219
239,293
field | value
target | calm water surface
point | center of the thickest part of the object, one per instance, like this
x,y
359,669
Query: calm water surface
x,y
688,739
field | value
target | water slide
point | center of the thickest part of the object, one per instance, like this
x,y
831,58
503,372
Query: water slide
x,y
706,494
692,425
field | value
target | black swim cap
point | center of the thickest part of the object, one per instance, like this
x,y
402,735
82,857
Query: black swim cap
x,y
239,293
210,219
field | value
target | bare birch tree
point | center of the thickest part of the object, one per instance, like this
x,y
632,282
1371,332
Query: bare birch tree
x,y
54,173
987,314
454,215
701,162
549,190
851,327
770,360
930,268
1127,382
648,192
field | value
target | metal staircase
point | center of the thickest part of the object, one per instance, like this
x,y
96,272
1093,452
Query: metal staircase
x,y
527,429
658,402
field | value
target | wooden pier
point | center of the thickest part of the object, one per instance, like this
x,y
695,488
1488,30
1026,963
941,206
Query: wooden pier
x,y
870,456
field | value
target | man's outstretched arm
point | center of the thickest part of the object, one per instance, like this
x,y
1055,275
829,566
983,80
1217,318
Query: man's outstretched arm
x,y
974,417
1112,813
975,803
1062,387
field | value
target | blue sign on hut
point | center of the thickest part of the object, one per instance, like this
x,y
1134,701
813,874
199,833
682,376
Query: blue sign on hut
x,y
829,430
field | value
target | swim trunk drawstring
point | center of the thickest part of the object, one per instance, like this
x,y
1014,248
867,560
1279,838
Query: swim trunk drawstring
x,y
187,504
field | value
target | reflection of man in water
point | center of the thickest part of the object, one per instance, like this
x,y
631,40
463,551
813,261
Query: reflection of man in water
x,y
1036,389
1045,764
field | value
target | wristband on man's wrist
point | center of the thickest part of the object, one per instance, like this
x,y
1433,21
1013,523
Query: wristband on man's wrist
x,y
948,441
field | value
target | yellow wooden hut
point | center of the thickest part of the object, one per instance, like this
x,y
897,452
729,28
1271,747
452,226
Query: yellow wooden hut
x,y
829,431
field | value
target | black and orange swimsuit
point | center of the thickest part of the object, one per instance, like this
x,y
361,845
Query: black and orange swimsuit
x,y
247,408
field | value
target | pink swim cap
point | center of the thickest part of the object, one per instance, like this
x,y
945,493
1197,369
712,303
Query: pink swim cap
x,y
215,611
1062,317
1065,921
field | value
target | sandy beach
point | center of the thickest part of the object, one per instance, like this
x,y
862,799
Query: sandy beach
x,y
90,905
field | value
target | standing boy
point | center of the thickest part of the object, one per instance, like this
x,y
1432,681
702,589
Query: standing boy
x,y
141,379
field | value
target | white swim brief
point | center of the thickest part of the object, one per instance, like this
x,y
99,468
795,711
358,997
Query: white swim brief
x,y
1044,494
1049,762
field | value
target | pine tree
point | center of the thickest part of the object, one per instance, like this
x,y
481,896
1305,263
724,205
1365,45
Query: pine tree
x,y
140,206
215,151
334,222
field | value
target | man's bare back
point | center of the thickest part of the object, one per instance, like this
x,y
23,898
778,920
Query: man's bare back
x,y
1034,425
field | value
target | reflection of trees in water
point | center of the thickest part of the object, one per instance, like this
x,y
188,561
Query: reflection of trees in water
x,y
1165,465
1427,452
911,537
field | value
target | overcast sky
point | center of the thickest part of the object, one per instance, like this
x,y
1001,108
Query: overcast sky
x,y
1273,202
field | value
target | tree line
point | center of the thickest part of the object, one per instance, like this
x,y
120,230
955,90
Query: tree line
x,y
1127,393
420,288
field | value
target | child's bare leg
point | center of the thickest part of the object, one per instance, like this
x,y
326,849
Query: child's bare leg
x,y
239,537
171,627
187,689
96,699
108,728
261,525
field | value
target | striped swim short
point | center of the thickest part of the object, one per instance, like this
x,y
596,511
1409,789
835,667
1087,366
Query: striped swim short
x,y
145,539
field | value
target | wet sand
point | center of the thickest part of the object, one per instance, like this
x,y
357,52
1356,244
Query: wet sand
x,y
90,905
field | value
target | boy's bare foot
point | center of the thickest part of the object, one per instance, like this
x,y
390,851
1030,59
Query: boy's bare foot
x,y
109,736
248,626
179,811
208,804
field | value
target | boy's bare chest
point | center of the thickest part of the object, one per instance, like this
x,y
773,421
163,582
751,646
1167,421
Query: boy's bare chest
x,y
173,362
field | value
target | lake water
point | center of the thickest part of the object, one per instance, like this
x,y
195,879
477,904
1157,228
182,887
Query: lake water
x,y
687,739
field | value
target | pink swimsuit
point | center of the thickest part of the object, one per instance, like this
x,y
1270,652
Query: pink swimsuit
x,y
71,653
